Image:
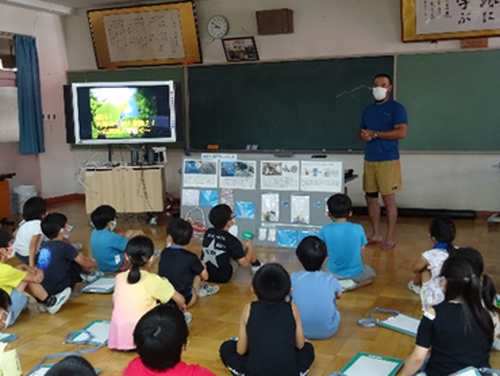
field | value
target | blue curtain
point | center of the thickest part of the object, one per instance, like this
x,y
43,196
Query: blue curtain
x,y
29,98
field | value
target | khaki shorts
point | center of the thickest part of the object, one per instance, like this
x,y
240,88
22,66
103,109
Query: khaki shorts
x,y
383,177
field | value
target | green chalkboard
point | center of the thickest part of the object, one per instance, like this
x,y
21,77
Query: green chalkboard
x,y
175,74
300,105
452,100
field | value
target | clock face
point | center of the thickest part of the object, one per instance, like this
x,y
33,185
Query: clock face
x,y
218,27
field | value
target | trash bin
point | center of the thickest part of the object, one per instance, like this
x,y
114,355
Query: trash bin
x,y
23,193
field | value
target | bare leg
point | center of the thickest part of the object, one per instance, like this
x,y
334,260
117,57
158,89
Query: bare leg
x,y
425,276
417,279
129,234
196,288
366,282
374,214
37,291
392,218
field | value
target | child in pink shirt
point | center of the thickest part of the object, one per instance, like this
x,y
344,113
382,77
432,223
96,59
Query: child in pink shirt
x,y
136,292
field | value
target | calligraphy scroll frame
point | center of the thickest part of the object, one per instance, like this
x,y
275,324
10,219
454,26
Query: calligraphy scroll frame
x,y
192,52
409,28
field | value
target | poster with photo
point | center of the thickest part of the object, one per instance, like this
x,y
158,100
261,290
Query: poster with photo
x,y
299,210
236,174
199,173
316,176
279,175
270,207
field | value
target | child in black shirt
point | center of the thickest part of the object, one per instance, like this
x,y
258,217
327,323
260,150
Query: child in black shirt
x,y
183,268
222,251
271,339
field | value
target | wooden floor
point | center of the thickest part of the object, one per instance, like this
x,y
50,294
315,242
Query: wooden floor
x,y
215,318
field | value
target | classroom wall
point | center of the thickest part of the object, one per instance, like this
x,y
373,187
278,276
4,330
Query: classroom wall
x,y
52,171
333,28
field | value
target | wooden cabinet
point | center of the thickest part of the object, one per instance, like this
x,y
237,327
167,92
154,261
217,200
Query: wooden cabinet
x,y
128,189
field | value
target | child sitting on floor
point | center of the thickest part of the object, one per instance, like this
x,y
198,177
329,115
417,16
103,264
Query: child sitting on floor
x,y
458,332
222,251
136,292
315,292
345,242
107,246
62,264
183,268
24,278
270,340
426,269
161,335
29,234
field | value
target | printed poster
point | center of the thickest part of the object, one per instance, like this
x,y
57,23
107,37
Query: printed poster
x,y
316,176
235,174
279,175
299,210
199,173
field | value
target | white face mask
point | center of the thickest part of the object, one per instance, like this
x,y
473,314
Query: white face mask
x,y
112,226
379,93
7,320
11,255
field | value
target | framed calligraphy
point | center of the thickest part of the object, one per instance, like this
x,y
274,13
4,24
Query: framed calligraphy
x,y
145,35
428,20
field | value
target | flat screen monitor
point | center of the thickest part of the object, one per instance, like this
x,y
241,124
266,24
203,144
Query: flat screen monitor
x,y
124,112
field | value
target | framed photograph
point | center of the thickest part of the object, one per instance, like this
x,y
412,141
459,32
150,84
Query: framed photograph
x,y
430,20
145,35
240,49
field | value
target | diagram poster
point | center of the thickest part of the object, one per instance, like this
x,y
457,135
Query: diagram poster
x,y
316,176
234,174
279,175
199,173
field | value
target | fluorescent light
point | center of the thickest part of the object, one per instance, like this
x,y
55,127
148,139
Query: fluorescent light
x,y
41,5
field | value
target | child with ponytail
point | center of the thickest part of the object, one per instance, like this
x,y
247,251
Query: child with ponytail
x,y
136,292
488,291
459,331
427,268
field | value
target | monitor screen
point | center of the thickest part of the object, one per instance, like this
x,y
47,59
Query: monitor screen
x,y
124,112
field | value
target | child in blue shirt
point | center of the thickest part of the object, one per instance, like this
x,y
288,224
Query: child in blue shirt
x,y
106,245
345,242
315,292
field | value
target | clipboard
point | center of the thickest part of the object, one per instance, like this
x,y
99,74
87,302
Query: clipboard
x,y
469,371
6,337
370,364
402,323
103,285
44,369
99,329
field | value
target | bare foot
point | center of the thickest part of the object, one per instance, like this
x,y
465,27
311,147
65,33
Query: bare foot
x,y
375,239
386,245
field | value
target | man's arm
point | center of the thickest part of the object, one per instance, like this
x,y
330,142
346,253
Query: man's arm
x,y
398,133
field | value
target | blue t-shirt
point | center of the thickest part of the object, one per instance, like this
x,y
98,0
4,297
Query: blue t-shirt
x,y
383,117
344,241
314,294
107,248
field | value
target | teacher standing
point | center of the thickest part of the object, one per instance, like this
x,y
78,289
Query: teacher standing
x,y
383,124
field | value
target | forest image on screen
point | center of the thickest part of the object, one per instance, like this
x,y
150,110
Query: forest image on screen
x,y
129,112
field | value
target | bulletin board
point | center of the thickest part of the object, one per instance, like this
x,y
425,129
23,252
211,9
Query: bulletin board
x,y
145,35
279,200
